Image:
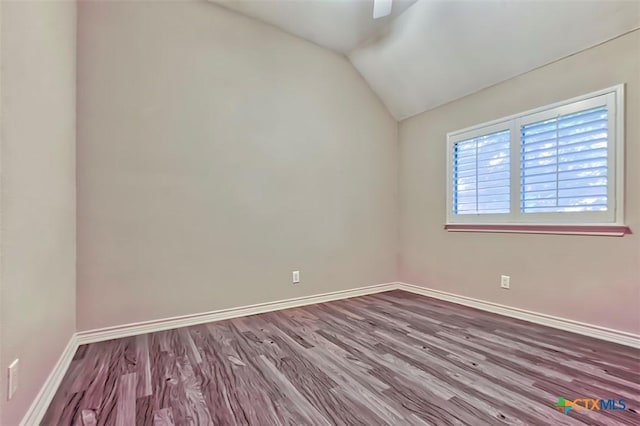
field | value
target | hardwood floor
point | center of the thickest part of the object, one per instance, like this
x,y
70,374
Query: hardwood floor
x,y
392,358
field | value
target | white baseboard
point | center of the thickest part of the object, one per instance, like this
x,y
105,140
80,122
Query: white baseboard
x,y
39,406
43,399
126,330
603,333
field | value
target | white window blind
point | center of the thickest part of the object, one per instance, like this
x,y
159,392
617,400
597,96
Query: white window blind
x,y
481,174
564,163
560,164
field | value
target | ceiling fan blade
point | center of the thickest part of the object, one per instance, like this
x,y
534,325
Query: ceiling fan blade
x,y
381,8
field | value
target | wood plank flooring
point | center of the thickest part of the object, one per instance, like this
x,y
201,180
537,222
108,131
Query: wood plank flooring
x,y
392,358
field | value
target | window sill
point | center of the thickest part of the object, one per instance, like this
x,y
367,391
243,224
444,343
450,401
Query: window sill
x,y
599,230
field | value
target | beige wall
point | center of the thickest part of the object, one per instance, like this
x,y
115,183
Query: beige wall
x,y
590,279
215,156
37,112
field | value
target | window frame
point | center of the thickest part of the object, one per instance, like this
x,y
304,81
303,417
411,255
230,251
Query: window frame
x,y
470,134
613,98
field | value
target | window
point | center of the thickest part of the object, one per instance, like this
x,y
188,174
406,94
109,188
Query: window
x,y
560,164
481,174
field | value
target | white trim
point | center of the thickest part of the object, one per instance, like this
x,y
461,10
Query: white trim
x,y
126,330
619,153
613,97
534,231
598,332
40,404
43,399
514,181
618,88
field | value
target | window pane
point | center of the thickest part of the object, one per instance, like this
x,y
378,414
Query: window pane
x,y
564,163
481,174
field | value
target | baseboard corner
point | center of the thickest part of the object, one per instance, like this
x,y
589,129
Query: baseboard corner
x,y
39,406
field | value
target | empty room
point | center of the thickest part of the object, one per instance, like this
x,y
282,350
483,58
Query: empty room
x,y
319,212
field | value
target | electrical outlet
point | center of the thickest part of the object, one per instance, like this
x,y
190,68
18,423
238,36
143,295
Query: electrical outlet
x,y
504,281
13,378
296,277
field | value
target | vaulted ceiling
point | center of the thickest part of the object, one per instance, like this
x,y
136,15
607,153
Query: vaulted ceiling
x,y
340,25
430,52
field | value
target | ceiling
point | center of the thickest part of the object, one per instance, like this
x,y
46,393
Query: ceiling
x,y
340,25
431,52
438,51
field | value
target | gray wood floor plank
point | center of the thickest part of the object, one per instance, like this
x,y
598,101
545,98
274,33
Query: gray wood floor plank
x,y
143,366
392,358
163,417
126,405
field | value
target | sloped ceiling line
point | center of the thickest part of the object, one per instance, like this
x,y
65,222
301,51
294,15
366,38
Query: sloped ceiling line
x,y
430,52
